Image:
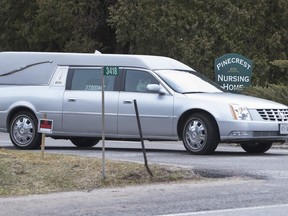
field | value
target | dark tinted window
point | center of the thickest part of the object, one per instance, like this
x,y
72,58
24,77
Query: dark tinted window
x,y
91,80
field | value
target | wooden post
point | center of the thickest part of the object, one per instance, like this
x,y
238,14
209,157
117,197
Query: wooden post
x,y
43,142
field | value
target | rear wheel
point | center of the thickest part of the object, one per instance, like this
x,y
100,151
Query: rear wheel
x,y
83,142
23,131
256,147
200,134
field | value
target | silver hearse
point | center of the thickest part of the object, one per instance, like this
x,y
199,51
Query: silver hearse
x,y
175,103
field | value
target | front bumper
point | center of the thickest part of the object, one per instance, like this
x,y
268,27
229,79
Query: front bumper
x,y
236,130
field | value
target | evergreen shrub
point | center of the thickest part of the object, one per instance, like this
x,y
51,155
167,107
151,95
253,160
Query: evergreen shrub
x,y
278,93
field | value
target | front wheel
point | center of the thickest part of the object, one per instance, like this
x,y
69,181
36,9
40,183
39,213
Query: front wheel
x,y
200,134
257,147
23,131
82,142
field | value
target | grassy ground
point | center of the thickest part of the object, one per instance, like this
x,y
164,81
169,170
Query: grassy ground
x,y
25,172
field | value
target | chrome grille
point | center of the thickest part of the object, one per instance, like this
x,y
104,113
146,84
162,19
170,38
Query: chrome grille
x,y
280,115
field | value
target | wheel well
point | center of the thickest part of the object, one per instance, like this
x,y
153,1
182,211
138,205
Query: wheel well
x,y
13,112
185,115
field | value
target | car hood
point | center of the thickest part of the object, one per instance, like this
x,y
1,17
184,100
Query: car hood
x,y
242,100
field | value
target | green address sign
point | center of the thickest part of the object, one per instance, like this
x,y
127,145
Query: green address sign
x,y
111,71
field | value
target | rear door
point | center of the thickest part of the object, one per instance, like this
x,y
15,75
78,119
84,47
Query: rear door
x,y
82,103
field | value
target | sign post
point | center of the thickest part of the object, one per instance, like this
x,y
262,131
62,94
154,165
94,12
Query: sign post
x,y
106,71
233,72
44,126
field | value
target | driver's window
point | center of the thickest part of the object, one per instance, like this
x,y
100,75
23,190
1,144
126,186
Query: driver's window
x,y
137,81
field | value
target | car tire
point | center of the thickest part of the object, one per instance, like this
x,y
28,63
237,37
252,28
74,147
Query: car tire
x,y
23,131
256,147
84,142
200,134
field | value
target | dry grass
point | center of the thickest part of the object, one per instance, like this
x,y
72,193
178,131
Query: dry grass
x,y
24,172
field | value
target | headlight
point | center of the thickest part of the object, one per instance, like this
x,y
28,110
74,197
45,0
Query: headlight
x,y
240,113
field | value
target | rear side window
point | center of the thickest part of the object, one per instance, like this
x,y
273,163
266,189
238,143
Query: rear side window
x,y
89,80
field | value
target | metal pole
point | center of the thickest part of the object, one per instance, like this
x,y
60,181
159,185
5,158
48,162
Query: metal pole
x,y
103,127
141,139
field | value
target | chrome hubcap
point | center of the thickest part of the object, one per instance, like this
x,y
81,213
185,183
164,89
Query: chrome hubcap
x,y
195,135
23,131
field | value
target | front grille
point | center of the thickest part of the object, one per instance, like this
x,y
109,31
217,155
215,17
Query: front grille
x,y
280,115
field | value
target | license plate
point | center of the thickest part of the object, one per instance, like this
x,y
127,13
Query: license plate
x,y
283,128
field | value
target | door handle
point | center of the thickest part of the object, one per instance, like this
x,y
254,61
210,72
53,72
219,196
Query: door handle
x,y
127,102
72,100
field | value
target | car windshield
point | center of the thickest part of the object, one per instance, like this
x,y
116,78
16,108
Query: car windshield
x,y
188,81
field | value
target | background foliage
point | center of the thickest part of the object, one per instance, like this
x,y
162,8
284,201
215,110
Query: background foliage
x,y
192,31
273,92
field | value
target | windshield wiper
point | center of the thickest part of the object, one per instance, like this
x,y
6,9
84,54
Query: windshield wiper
x,y
194,92
24,67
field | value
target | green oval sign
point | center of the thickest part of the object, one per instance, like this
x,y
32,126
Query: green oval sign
x,y
233,71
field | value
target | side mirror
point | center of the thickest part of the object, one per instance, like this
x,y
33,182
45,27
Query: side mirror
x,y
155,88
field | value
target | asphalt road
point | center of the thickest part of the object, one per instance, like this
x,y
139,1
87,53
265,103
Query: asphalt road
x,y
238,184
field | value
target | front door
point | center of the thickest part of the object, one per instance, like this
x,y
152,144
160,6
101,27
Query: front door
x,y
155,110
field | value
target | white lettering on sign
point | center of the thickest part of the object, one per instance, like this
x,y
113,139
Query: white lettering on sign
x,y
233,61
223,78
231,87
